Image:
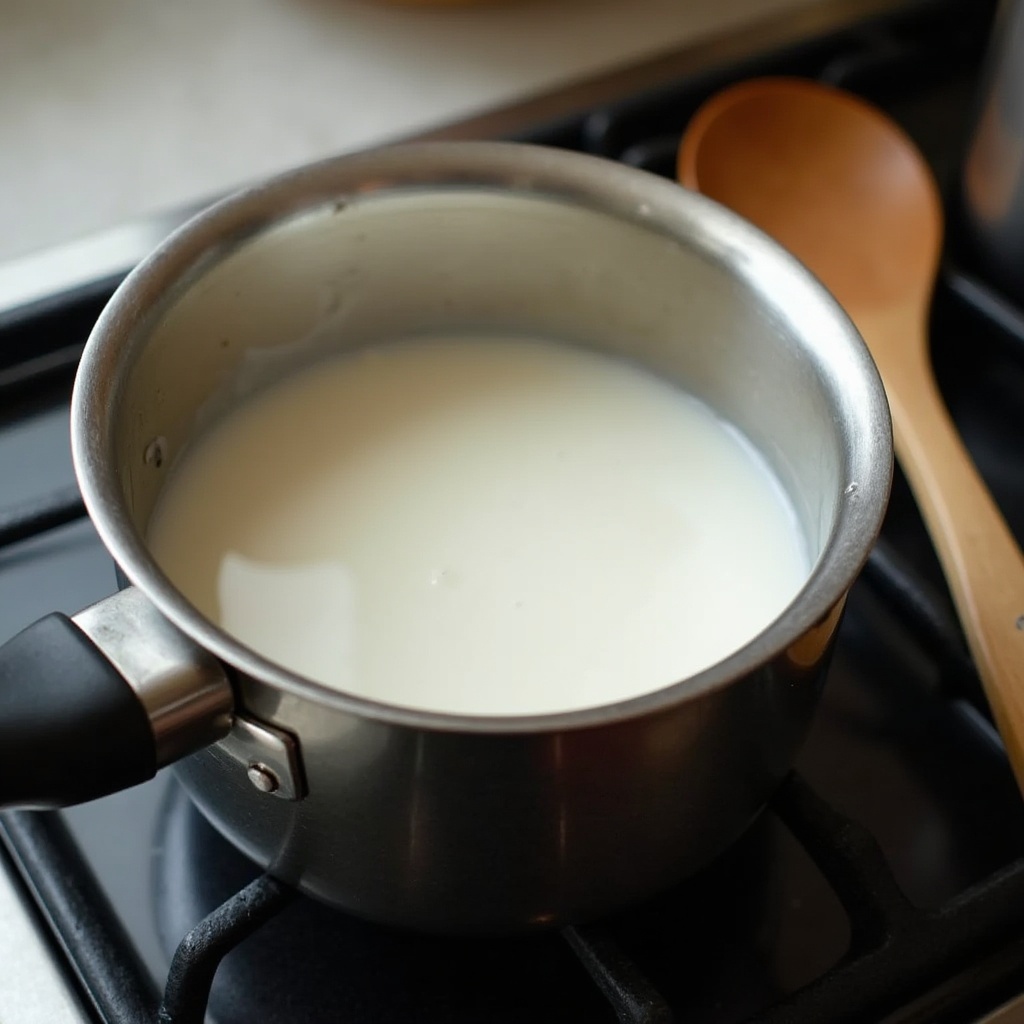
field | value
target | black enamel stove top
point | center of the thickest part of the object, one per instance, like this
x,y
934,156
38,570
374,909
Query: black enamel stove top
x,y
886,881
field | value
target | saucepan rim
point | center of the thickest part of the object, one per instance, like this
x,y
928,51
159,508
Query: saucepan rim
x,y
600,185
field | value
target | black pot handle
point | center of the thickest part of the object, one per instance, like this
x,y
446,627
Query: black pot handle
x,y
96,704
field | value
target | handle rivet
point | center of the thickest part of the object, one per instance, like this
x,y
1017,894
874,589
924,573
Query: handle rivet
x,y
263,778
154,453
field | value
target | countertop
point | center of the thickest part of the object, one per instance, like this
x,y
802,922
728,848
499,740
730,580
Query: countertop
x,y
113,110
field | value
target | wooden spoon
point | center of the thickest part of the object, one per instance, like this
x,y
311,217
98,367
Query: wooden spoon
x,y
847,192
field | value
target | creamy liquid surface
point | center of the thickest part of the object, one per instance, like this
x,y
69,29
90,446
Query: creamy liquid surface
x,y
487,527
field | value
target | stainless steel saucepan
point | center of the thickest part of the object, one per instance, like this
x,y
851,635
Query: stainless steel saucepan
x,y
440,821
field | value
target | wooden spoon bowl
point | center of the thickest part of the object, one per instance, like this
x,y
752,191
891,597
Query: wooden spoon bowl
x,y
808,154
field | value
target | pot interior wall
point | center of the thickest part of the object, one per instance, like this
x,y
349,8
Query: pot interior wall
x,y
470,259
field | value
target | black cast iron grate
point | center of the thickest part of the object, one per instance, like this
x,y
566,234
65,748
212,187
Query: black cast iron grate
x,y
904,962
898,954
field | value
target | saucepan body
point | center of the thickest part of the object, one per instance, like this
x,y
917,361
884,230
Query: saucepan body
x,y
450,822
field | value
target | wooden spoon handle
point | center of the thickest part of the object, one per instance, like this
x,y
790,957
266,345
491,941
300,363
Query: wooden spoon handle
x,y
983,563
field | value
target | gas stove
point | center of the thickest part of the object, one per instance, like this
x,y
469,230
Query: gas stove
x,y
884,883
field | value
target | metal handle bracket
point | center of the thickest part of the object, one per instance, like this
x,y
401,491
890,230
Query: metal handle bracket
x,y
184,689
269,756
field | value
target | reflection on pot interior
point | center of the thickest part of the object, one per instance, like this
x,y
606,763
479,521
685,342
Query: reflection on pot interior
x,y
493,526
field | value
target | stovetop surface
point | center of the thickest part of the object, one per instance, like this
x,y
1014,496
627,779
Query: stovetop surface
x,y
901,744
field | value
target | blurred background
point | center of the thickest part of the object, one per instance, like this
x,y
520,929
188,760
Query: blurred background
x,y
116,109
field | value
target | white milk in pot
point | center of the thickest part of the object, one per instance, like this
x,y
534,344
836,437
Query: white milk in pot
x,y
498,527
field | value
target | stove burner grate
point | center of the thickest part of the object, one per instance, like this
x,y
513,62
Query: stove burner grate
x,y
897,951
